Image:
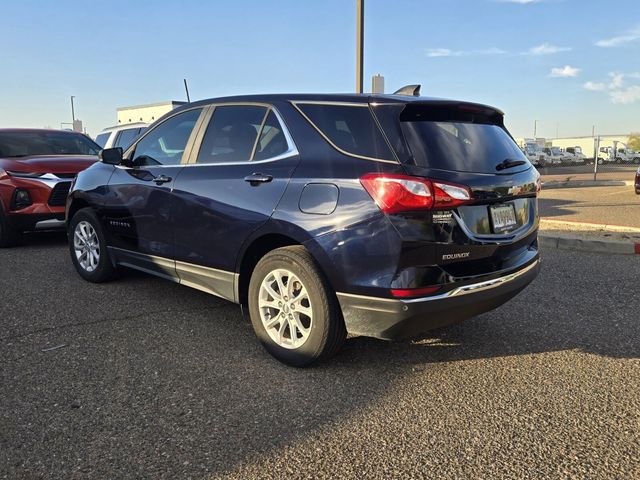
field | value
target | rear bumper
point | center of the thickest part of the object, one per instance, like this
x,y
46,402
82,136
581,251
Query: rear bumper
x,y
390,319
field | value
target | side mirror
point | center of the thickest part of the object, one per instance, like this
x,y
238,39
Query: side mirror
x,y
111,156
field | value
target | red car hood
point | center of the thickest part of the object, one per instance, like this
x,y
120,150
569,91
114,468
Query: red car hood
x,y
48,164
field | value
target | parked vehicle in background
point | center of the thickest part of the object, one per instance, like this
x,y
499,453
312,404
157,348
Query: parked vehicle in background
x,y
555,156
576,155
627,155
36,170
381,215
535,153
120,135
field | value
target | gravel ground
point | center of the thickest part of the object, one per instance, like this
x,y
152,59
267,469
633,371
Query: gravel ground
x,y
159,381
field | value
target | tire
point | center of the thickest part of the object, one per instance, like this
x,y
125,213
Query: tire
x,y
322,333
89,228
600,161
8,236
636,160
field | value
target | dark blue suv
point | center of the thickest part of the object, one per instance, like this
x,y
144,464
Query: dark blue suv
x,y
381,215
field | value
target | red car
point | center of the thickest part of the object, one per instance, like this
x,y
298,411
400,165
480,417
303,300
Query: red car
x,y
36,170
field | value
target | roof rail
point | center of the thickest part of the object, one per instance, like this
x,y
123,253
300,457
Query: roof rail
x,y
409,90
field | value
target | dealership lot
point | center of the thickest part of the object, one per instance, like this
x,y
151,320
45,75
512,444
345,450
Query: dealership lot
x,y
154,380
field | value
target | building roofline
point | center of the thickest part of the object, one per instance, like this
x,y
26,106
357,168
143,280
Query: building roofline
x,y
148,105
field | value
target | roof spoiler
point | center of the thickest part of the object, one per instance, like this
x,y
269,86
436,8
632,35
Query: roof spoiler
x,y
409,90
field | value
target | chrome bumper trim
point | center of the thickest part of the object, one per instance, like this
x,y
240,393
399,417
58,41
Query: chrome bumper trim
x,y
456,292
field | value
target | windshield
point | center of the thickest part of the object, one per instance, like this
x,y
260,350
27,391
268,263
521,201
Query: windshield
x,y
28,143
464,147
532,148
556,150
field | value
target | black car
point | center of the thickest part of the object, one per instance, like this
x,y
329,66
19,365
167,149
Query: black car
x,y
381,215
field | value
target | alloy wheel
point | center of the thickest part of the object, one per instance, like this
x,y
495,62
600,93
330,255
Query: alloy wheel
x,y
86,246
285,309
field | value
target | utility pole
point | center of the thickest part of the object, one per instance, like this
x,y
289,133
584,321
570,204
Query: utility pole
x,y
359,46
535,128
73,113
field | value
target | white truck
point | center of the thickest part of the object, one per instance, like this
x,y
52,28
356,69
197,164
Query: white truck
x,y
615,154
534,152
575,155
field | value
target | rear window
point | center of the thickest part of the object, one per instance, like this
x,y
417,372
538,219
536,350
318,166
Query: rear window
x,y
464,147
350,128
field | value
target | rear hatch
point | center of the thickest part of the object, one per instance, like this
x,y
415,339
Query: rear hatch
x,y
467,144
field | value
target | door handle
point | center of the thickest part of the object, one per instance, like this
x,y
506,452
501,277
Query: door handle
x,y
257,178
161,179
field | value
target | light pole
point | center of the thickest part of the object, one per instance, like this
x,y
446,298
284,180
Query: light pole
x,y
359,45
73,113
535,128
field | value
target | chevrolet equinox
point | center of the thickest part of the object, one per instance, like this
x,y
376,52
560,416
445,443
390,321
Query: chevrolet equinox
x,y
321,215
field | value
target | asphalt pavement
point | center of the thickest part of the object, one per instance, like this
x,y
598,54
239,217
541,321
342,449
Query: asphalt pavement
x,y
618,205
154,380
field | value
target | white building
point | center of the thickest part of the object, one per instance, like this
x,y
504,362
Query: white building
x,y
145,113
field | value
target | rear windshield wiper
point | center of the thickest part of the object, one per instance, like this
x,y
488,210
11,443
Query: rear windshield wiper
x,y
509,163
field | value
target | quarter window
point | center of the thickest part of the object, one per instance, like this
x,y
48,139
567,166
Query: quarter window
x,y
232,133
165,144
351,128
272,140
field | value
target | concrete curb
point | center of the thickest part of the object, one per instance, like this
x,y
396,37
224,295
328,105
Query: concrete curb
x,y
596,246
552,184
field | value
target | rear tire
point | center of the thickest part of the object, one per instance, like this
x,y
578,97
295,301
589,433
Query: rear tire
x,y
8,236
88,248
294,311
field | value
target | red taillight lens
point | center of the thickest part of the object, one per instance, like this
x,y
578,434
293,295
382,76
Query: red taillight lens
x,y
401,193
414,292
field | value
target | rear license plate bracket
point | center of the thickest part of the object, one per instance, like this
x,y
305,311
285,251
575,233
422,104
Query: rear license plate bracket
x,y
503,217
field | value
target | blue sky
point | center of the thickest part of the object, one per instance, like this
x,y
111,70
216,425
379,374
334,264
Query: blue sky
x,y
569,64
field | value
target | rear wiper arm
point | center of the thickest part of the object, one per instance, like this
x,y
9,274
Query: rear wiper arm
x,y
509,163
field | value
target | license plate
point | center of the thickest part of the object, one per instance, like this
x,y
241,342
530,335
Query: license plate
x,y
503,217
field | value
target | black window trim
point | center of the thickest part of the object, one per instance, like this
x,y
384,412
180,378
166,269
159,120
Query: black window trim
x,y
188,149
295,103
292,149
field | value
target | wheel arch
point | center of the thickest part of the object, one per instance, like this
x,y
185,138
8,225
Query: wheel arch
x,y
275,235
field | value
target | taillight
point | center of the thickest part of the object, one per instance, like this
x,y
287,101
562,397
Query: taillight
x,y
401,193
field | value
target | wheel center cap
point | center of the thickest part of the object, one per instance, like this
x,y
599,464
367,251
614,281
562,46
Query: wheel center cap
x,y
286,308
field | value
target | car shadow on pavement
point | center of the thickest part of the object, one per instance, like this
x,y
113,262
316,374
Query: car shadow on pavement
x,y
151,379
551,207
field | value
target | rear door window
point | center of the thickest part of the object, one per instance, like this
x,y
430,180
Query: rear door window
x,y
232,134
350,128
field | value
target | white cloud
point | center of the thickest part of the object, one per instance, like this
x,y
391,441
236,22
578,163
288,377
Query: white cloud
x,y
615,88
617,80
440,52
446,52
595,87
627,95
564,72
627,37
546,49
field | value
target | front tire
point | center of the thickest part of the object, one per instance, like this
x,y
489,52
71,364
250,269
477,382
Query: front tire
x,y
294,311
88,248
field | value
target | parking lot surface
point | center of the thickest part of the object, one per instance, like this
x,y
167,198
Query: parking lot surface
x,y
154,380
608,205
609,171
